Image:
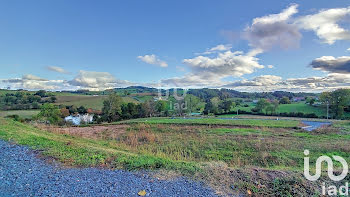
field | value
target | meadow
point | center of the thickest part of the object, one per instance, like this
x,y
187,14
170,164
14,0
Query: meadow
x,y
21,113
88,101
217,121
256,155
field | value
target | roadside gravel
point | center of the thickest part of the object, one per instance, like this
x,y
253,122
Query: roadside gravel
x,y
23,174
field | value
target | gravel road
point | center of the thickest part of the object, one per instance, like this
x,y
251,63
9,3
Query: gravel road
x,y
23,174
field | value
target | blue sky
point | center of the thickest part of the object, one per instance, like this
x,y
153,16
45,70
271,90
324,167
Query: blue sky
x,y
107,37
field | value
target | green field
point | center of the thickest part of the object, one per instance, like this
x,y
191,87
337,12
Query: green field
x,y
221,156
302,107
88,101
21,113
216,121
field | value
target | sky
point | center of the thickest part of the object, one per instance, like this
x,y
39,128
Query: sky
x,y
242,45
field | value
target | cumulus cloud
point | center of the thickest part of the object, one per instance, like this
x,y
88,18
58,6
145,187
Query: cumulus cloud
x,y
209,71
215,49
332,64
97,81
270,66
223,65
32,82
326,24
153,59
264,80
274,30
318,84
267,83
57,69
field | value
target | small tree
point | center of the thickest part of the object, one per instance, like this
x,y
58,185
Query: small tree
x,y
285,100
112,108
310,101
49,112
82,110
261,105
64,112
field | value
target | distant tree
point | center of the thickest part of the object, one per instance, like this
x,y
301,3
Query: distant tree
x,y
226,105
41,93
49,112
112,108
35,105
161,106
275,105
210,108
285,100
261,105
310,101
72,109
82,110
126,93
192,103
271,107
53,99
64,112
337,100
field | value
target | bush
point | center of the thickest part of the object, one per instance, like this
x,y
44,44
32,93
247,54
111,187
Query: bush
x,y
15,117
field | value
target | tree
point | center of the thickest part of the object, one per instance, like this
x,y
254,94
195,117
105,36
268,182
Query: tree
x,y
82,110
285,100
275,105
161,106
53,99
64,112
112,108
340,100
49,112
310,101
226,105
261,105
271,107
41,93
72,109
337,101
192,103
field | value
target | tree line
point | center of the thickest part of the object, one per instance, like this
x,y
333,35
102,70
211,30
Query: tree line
x,y
22,100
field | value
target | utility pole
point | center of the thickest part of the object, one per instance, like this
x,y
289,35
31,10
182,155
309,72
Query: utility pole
x,y
327,110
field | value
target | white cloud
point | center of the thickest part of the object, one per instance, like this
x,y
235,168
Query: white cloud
x,y
264,80
270,66
215,49
152,59
207,71
274,30
97,81
325,24
57,69
32,82
223,65
348,49
267,83
332,64
33,78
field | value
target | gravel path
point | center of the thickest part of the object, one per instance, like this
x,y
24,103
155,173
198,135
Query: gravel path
x,y
23,174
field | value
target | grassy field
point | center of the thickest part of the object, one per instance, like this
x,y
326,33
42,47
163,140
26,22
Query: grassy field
x,y
302,107
259,159
217,121
88,101
21,113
